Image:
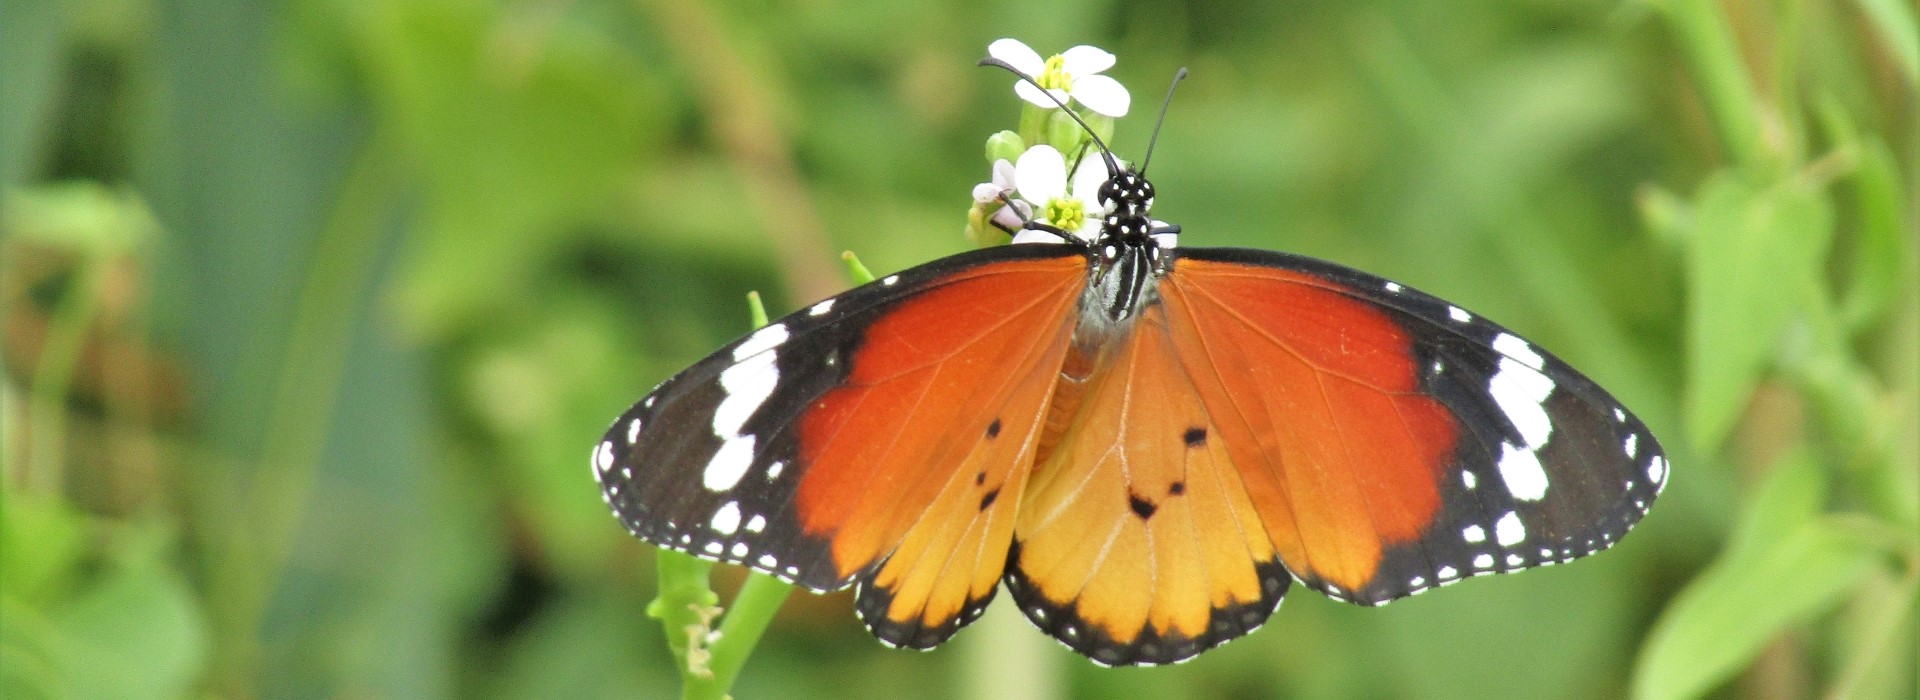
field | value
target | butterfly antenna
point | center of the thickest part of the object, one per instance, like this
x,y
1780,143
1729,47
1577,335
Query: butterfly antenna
x,y
1177,77
1113,164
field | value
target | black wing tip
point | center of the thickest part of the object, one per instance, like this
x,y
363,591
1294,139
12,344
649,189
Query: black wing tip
x,y
1150,647
1411,569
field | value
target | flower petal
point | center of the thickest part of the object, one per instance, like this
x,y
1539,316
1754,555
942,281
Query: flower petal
x,y
1035,236
1013,218
1018,55
1089,229
1003,174
1041,174
1032,94
1083,60
987,192
1087,180
1102,94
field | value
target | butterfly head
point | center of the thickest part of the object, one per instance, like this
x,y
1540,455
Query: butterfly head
x,y
1127,198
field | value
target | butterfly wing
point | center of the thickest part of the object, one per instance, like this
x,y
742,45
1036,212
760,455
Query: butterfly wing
x,y
1138,543
1392,442
881,435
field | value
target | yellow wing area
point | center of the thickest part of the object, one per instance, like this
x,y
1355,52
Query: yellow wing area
x,y
1136,542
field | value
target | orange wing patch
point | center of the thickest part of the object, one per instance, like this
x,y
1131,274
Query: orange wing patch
x,y
1317,399
1137,542
915,463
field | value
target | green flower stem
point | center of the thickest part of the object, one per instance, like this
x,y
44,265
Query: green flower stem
x,y
1702,31
685,606
856,271
1033,124
753,609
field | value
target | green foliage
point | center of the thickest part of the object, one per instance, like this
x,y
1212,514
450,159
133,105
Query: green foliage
x,y
1755,254
314,309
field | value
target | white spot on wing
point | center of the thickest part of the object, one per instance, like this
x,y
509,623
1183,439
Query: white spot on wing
x,y
1467,478
773,470
1474,534
1512,346
1458,314
890,280
1521,392
747,384
602,459
1520,469
740,550
633,431
1509,531
1446,573
1394,287
714,547
820,308
1657,470
757,523
1632,446
728,464
767,338
1483,561
727,519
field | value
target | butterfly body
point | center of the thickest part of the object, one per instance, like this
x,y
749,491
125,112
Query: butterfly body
x,y
1146,443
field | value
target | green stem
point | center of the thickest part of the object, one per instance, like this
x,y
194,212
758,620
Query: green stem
x,y
53,375
248,564
1701,28
752,610
685,606
855,270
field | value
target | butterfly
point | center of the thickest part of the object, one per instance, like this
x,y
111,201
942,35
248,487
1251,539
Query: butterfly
x,y
1147,443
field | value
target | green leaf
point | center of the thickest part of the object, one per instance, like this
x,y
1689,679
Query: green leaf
x,y
1793,494
1897,27
517,139
41,541
1753,253
137,633
1786,565
1882,251
80,216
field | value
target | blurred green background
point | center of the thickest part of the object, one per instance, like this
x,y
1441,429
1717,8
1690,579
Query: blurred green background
x,y
314,309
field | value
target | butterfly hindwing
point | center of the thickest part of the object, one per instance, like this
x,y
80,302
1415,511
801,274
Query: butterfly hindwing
x,y
1392,441
823,444
1137,543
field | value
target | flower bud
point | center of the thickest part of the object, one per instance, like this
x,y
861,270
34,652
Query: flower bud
x,y
1006,146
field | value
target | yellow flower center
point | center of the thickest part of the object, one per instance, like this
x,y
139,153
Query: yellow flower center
x,y
1066,213
1055,76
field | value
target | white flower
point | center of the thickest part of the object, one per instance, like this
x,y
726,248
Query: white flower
x,y
1073,74
987,196
1002,183
1041,179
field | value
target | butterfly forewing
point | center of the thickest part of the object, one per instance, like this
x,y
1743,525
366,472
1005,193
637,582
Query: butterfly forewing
x,y
810,448
1395,442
